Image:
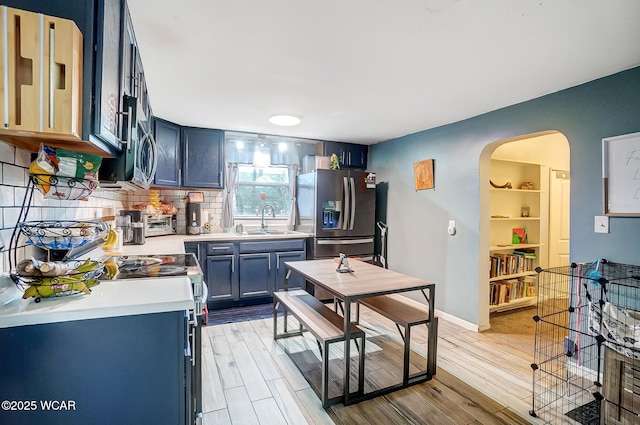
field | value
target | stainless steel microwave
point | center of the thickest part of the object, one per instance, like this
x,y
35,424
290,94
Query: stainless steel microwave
x,y
134,168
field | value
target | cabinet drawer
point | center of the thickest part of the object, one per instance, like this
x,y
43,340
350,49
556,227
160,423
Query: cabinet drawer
x,y
220,248
272,246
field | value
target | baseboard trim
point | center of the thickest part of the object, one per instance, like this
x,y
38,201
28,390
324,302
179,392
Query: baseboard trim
x,y
446,316
458,321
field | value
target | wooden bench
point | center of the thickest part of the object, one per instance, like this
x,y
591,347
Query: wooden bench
x,y
405,316
325,325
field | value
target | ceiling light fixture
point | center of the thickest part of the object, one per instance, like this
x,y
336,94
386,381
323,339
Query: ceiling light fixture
x,y
285,120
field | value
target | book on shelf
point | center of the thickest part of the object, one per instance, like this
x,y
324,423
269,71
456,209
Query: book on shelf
x,y
504,291
499,292
508,264
531,283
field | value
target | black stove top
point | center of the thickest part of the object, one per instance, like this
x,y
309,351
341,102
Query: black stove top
x,y
154,266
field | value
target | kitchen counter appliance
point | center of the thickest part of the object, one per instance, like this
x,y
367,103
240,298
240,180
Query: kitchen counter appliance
x,y
194,213
164,224
133,168
137,226
160,266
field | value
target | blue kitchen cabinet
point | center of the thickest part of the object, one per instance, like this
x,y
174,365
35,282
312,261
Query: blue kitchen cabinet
x,y
220,274
108,105
356,156
128,55
169,170
189,157
114,370
350,155
256,275
203,159
133,79
247,271
193,248
262,265
295,280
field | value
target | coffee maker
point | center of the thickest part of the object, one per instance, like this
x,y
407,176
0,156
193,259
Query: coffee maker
x,y
137,226
194,212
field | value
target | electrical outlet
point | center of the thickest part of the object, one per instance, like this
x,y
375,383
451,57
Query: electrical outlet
x,y
601,224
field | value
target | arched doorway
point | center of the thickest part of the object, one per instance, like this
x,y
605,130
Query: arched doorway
x,y
503,211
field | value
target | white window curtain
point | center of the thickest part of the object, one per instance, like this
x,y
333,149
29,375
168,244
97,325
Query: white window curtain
x,y
293,206
227,219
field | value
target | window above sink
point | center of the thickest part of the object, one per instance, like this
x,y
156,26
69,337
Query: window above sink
x,y
260,185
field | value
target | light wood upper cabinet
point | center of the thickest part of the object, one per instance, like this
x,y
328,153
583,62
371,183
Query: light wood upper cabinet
x,y
41,82
63,87
21,70
42,70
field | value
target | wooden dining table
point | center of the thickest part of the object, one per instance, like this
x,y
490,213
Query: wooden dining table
x,y
364,280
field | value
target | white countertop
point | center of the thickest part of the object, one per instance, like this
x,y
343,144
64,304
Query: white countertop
x,y
117,297
108,299
174,244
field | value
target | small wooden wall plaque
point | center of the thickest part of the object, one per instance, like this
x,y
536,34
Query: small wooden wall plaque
x,y
423,174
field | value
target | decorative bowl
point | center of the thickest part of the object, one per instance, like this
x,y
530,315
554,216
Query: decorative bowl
x,y
60,234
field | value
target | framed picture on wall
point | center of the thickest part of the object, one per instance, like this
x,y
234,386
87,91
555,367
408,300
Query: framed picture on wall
x,y
423,174
621,175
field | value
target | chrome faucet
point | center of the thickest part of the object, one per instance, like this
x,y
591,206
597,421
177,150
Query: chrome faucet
x,y
264,226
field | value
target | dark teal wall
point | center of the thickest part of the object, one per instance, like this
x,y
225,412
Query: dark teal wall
x,y
417,240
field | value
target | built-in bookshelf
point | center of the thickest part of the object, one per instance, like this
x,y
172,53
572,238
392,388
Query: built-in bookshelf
x,y
518,232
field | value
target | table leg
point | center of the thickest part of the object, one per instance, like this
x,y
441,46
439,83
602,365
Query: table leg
x,y
432,347
347,350
407,353
286,279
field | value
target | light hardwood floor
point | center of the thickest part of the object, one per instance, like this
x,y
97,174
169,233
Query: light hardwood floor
x,y
248,378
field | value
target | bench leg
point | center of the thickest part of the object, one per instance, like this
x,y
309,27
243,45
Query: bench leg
x,y
325,376
285,319
275,318
407,353
361,366
285,333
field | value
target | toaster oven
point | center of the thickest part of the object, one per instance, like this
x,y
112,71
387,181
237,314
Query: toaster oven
x,y
164,224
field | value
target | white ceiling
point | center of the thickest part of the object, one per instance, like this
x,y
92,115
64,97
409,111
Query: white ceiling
x,y
365,71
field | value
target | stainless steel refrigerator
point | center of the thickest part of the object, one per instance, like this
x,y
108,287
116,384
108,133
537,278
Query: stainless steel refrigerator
x,y
338,207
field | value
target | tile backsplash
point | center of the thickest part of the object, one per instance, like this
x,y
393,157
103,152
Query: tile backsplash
x,y
211,207
14,178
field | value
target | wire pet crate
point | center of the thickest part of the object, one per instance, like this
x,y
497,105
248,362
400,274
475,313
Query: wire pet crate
x,y
586,366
